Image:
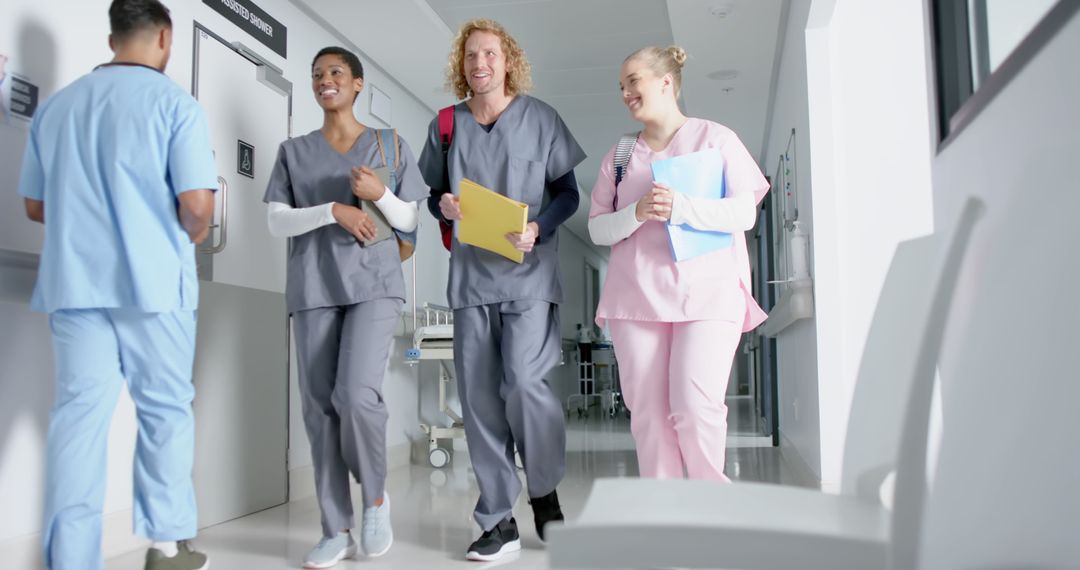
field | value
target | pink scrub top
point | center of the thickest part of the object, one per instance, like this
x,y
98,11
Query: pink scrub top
x,y
644,283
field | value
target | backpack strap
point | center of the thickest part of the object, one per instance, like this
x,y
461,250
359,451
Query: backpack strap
x,y
623,151
446,136
394,149
388,138
388,142
446,127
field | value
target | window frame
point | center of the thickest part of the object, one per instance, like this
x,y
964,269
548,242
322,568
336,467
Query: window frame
x,y
958,101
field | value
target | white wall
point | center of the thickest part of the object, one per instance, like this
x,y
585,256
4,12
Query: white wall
x,y
870,153
796,345
52,48
1005,493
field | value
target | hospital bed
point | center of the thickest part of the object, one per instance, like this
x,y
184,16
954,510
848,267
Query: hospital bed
x,y
597,380
433,339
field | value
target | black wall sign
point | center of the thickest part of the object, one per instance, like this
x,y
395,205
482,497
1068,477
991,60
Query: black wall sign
x,y
245,159
24,97
253,20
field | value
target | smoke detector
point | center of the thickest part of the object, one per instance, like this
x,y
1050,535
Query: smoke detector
x,y
721,9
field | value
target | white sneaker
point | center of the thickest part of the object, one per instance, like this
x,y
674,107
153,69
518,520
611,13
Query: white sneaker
x,y
377,536
330,551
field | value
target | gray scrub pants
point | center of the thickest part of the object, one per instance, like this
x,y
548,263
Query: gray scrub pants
x,y
501,353
342,354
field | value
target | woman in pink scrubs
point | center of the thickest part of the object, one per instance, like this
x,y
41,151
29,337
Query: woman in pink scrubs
x,y
675,325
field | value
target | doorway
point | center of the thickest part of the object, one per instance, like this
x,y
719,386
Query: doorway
x,y
242,359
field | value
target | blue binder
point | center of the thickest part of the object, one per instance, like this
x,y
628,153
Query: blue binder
x,y
698,174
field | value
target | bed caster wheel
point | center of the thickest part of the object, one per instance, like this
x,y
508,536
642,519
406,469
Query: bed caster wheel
x,y
439,457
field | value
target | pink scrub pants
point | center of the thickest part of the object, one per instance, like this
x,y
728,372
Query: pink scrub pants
x,y
674,377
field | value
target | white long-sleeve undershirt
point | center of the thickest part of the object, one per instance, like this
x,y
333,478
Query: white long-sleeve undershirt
x,y
610,229
287,221
735,214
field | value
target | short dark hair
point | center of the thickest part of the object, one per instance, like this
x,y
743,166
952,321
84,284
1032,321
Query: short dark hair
x,y
350,59
126,17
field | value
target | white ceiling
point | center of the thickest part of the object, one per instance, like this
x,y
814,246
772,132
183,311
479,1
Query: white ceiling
x,y
576,48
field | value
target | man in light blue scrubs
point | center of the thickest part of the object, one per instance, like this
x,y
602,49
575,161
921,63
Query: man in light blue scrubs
x,y
119,169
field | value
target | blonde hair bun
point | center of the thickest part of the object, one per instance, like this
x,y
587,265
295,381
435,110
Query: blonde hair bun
x,y
678,54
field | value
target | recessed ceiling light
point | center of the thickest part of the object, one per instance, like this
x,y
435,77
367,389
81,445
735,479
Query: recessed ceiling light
x,y
721,9
723,75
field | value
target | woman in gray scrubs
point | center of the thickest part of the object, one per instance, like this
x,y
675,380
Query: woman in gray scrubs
x,y
345,296
506,325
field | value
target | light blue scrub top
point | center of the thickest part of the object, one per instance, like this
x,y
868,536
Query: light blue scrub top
x,y
108,155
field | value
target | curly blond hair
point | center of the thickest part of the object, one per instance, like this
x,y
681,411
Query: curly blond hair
x,y
518,70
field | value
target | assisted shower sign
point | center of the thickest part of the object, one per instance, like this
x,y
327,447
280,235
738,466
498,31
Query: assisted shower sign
x,y
253,20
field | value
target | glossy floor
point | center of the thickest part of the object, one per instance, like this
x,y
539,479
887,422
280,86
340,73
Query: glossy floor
x,y
432,509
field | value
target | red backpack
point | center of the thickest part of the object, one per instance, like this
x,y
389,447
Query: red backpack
x,y
446,135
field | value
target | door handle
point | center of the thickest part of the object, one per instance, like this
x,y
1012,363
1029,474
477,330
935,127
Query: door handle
x,y
223,225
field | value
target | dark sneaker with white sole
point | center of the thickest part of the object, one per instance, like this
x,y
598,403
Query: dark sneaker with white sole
x,y
187,558
546,509
495,542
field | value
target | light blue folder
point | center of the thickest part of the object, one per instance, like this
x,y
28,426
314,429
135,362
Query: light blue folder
x,y
698,174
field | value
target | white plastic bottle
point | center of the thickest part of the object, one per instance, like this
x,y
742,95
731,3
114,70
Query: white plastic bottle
x,y
800,265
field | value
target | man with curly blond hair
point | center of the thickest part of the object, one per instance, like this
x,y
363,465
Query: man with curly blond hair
x,y
506,315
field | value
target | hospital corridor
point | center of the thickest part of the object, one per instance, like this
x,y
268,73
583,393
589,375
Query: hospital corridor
x,y
567,284
433,508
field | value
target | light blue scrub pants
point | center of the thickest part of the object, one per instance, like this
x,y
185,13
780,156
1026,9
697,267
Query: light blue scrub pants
x,y
95,351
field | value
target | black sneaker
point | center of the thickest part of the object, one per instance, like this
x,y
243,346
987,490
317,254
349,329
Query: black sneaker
x,y
546,509
495,542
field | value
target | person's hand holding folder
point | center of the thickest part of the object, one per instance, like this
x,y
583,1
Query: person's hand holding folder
x,y
656,204
491,221
450,206
367,184
525,241
354,220
696,175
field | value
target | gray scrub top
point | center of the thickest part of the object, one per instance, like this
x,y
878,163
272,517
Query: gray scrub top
x,y
528,147
328,266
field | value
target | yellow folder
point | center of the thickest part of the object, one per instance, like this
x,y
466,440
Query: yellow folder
x,y
486,218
